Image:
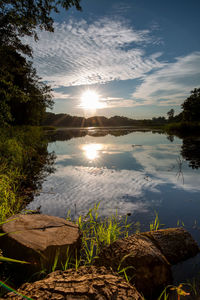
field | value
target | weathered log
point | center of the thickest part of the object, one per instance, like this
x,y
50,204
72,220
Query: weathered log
x,y
176,244
34,237
84,284
147,268
148,257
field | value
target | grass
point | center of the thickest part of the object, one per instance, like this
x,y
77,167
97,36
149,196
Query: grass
x,y
155,225
97,232
23,155
10,199
100,232
175,292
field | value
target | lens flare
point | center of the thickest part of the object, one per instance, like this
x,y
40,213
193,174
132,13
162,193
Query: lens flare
x,y
9,289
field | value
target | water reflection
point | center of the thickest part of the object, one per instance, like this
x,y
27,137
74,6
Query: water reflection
x,y
98,166
65,134
128,171
190,149
191,152
91,151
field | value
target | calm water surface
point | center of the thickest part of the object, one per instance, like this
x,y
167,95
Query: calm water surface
x,y
132,172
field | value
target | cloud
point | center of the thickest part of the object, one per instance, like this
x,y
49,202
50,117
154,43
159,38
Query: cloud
x,y
78,53
59,95
82,53
171,84
110,102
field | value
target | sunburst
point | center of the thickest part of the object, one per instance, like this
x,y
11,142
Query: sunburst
x,y
90,100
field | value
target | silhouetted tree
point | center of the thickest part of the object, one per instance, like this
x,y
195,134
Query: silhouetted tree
x,y
159,120
170,138
23,97
24,16
170,114
191,107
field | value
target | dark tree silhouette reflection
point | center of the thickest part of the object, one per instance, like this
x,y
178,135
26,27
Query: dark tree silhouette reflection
x,y
191,152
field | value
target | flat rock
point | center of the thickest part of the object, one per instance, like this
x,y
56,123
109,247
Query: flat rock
x,y
84,284
147,268
32,236
176,244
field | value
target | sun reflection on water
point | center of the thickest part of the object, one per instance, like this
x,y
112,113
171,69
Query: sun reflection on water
x,y
91,151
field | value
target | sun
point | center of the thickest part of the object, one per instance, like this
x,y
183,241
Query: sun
x,y
90,100
92,150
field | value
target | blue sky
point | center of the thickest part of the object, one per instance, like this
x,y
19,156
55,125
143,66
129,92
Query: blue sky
x,y
142,57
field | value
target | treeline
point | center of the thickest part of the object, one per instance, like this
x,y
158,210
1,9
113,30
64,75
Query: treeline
x,y
66,120
188,121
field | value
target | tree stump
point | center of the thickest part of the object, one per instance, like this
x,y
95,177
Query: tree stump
x,y
33,237
84,284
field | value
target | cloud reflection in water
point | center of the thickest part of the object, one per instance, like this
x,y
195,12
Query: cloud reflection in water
x,y
137,179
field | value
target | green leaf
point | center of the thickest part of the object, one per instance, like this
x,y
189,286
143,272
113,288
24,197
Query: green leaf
x,y
6,259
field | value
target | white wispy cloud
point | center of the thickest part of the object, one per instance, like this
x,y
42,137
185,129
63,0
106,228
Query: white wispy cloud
x,y
59,95
110,102
82,53
171,84
78,53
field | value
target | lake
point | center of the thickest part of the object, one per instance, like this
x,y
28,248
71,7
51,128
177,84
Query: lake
x,y
141,173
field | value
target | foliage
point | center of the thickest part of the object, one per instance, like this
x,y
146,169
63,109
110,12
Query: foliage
x,y
159,120
191,106
170,113
155,225
11,260
8,193
23,155
23,97
24,16
98,232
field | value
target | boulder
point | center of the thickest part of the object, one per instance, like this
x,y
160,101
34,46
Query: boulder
x,y
84,284
33,236
146,266
175,243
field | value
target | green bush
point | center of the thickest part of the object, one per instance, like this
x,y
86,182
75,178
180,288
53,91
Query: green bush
x,y
23,154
